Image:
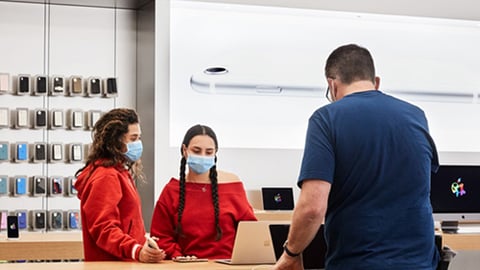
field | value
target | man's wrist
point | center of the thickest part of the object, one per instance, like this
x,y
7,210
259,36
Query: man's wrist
x,y
289,252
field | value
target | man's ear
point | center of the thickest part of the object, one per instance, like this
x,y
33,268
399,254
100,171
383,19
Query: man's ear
x,y
377,82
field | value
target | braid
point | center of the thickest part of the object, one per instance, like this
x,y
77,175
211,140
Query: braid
x,y
181,201
214,180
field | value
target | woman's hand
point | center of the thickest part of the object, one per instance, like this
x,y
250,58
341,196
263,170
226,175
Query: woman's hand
x,y
150,254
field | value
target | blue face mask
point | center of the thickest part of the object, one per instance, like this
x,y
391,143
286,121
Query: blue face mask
x,y
134,150
200,164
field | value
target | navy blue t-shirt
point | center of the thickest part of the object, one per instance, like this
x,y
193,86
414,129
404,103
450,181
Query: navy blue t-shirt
x,y
377,153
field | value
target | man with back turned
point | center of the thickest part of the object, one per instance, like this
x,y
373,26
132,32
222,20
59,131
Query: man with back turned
x,y
365,172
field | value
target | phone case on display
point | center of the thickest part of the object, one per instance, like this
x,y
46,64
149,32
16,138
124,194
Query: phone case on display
x,y
76,86
40,85
56,185
22,118
4,83
21,149
40,118
38,218
3,219
12,227
39,186
110,87
4,185
4,151
72,191
76,152
56,152
73,220
57,85
20,185
94,86
4,117
23,87
55,219
56,119
22,219
76,119
93,117
39,152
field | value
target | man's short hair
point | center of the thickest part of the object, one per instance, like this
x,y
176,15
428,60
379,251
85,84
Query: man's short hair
x,y
350,63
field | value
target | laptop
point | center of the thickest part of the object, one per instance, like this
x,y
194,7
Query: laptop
x,y
313,255
253,244
277,198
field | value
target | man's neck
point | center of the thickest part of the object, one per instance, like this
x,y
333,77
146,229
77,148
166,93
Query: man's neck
x,y
355,87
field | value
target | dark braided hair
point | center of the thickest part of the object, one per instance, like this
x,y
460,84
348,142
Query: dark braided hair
x,y
108,145
192,132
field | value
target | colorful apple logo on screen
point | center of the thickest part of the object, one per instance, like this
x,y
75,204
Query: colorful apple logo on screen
x,y
458,188
277,198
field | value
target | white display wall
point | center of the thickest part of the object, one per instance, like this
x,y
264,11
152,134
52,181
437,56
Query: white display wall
x,y
50,40
431,62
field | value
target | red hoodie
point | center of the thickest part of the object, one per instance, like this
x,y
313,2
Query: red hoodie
x,y
198,220
112,223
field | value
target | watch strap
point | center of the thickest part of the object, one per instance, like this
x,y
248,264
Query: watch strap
x,y
289,253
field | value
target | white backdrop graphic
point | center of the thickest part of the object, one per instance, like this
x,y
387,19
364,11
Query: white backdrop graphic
x,y
267,76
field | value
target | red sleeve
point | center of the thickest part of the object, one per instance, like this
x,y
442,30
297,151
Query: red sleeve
x,y
163,222
244,204
103,216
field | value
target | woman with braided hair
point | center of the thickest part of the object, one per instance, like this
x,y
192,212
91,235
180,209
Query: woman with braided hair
x,y
112,223
197,215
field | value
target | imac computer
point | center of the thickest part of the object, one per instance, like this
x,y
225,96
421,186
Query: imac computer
x,y
455,193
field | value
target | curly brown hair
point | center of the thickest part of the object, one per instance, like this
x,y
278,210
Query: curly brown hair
x,y
108,146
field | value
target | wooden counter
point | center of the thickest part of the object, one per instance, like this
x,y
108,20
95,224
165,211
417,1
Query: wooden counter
x,y
42,246
68,245
129,265
464,241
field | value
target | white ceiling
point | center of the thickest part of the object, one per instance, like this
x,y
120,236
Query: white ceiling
x,y
125,4
458,9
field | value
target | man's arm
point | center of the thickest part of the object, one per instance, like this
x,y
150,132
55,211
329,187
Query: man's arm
x,y
308,215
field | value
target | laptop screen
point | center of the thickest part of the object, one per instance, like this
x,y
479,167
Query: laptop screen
x,y
277,198
313,255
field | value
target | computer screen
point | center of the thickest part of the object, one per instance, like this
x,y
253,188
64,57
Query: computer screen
x,y
455,192
277,198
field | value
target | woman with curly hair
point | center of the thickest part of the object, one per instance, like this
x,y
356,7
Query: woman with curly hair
x,y
112,223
